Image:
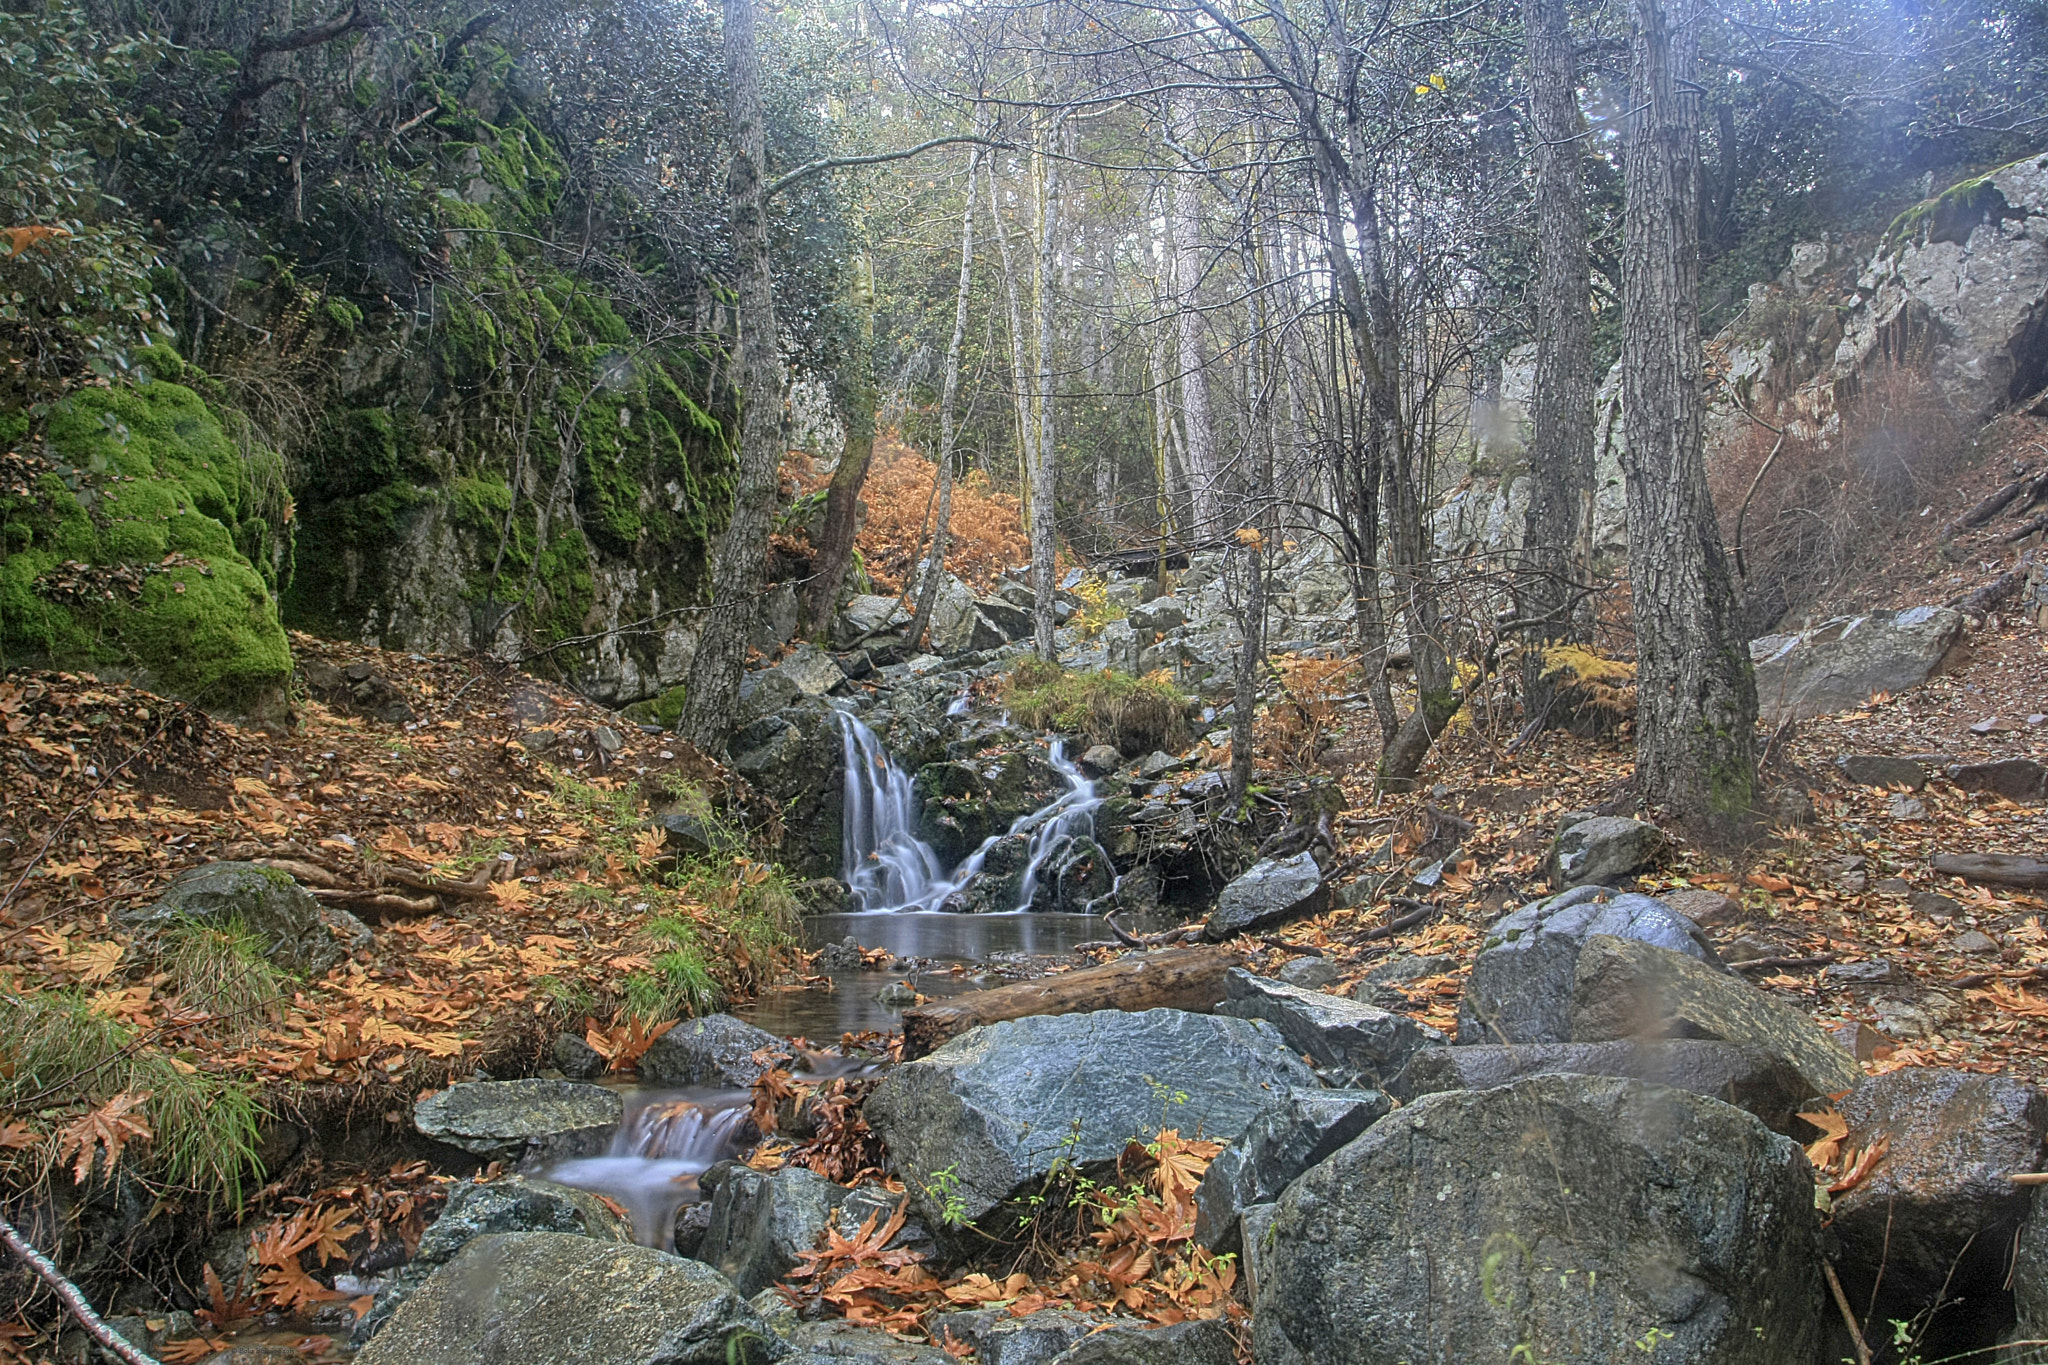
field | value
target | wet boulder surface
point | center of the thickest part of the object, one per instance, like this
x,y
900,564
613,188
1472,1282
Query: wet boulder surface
x,y
1561,1217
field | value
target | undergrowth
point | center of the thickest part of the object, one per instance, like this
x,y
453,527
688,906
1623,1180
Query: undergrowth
x,y
1137,715
223,972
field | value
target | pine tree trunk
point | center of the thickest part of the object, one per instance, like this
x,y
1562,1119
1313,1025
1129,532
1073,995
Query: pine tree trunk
x,y
949,390
1196,421
1561,450
842,495
1044,464
1696,693
711,698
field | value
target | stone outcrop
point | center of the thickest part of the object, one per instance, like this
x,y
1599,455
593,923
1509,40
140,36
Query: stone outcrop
x,y
296,931
1843,662
716,1050
509,1120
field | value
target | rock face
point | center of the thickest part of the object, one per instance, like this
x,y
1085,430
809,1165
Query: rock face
x,y
2030,1286
717,1050
997,1106
1364,1044
1937,1213
511,1204
1568,1215
1286,1141
1748,1078
1630,989
1840,663
1520,990
811,671
263,902
509,1120
760,1222
1603,849
1271,892
520,1298
1183,1343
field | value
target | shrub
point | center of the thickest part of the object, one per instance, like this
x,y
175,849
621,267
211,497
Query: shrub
x,y
1137,715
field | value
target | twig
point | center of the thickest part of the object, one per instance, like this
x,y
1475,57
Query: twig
x,y
2029,1177
1284,946
1848,1316
95,1326
1758,964
1393,927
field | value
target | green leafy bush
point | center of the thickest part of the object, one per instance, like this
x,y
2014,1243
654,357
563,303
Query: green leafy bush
x,y
1137,715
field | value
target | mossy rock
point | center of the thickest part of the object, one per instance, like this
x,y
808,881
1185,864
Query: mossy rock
x,y
151,549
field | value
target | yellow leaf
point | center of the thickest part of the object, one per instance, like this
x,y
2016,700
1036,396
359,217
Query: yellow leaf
x,y
1823,1150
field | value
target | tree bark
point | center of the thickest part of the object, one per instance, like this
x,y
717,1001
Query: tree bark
x,y
1561,450
949,390
1171,978
1696,693
842,495
1197,423
1252,624
1044,464
711,695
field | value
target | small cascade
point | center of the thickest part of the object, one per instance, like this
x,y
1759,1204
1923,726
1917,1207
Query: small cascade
x,y
888,868
655,1160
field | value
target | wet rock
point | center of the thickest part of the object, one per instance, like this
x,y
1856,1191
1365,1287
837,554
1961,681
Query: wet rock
x,y
840,1342
1283,1143
999,885
475,1209
1938,1213
1861,1041
1564,1213
1364,1044
1076,873
811,671
1120,647
760,1222
1629,989
1520,990
1271,892
263,902
766,691
687,834
510,1120
521,1298
716,1050
576,1059
1158,764
1101,760
865,616
1036,1339
1309,973
2016,779
1602,850
1748,1078
1126,1343
1013,621
1882,770
1842,662
998,1105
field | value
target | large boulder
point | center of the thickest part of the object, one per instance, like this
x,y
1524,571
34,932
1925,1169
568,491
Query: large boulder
x,y
1286,1141
992,1110
521,1298
1882,770
716,1050
1271,892
1841,662
866,615
1746,1077
1557,1218
477,1208
797,758
1626,988
1363,1044
2024,780
509,1120
1520,990
811,671
1603,850
297,932
1163,613
1931,1227
1195,1342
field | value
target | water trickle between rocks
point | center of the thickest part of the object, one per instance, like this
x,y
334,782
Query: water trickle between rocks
x,y
655,1160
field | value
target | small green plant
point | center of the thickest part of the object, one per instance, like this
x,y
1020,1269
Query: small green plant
x,y
678,982
943,1189
1134,714
1649,1341
224,971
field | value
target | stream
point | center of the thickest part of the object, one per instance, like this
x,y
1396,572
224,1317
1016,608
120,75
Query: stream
x,y
671,1137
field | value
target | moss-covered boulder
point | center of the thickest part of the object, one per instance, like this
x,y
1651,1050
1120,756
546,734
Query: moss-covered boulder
x,y
143,539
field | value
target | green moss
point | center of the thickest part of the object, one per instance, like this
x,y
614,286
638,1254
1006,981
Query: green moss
x,y
1955,213
148,473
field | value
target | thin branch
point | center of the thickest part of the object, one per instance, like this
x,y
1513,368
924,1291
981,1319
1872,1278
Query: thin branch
x,y
833,163
95,1326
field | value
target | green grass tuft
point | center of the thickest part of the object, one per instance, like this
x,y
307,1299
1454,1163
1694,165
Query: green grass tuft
x,y
1137,715
225,972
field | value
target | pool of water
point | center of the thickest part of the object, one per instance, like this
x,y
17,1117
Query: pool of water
x,y
937,954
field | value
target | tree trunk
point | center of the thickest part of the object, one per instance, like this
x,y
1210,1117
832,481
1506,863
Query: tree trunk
x,y
1020,384
949,390
1252,624
1561,451
1044,465
1695,690
1197,425
713,685
842,496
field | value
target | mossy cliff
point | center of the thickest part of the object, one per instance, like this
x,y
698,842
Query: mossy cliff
x,y
145,539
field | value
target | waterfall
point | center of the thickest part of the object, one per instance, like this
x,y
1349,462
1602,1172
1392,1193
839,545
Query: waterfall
x,y
885,864
655,1160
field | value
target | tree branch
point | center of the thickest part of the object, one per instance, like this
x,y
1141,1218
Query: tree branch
x,y
833,163
312,35
95,1326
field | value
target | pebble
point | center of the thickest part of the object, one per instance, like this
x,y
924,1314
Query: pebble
x,y
1858,973
1974,941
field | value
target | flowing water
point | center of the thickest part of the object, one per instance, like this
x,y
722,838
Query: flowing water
x,y
668,1140
889,869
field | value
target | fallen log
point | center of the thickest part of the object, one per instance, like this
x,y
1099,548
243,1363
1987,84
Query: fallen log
x,y
1999,869
1172,978
1991,506
1980,602
306,874
381,903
